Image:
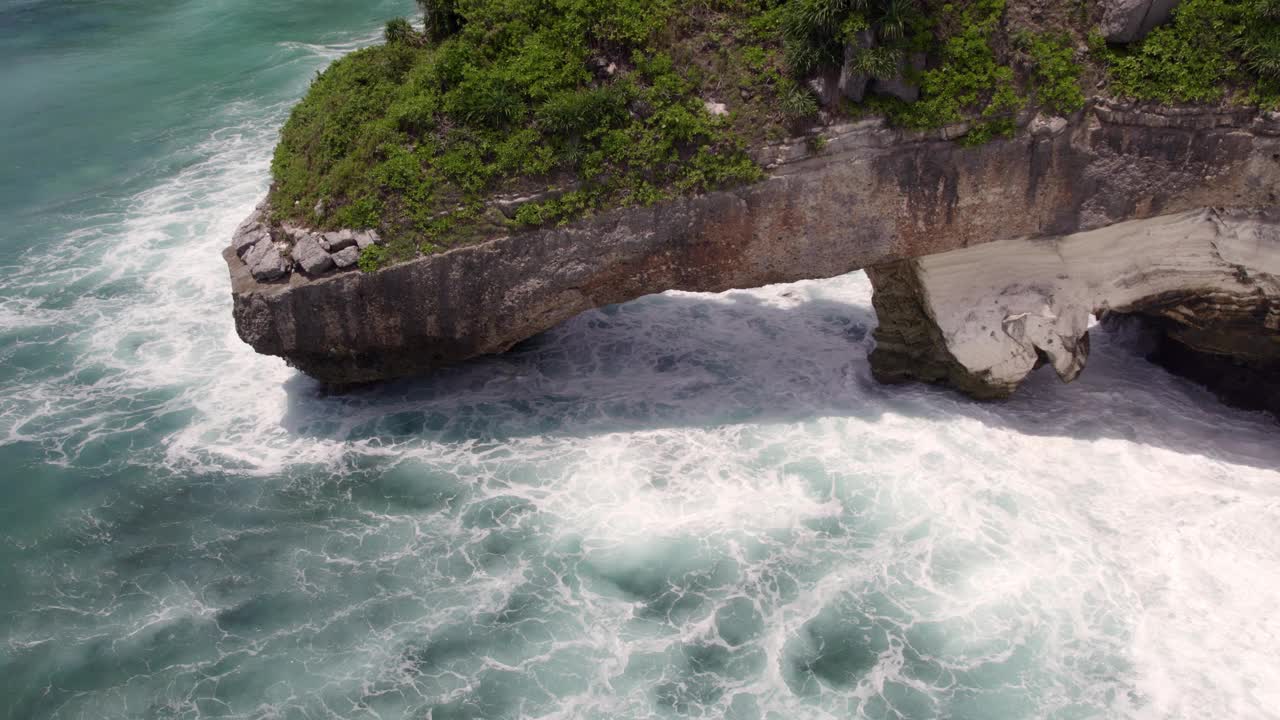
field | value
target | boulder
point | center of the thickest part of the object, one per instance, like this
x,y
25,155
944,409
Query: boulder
x,y
715,108
346,257
1124,21
365,238
313,258
252,231
1045,126
248,237
266,263
335,241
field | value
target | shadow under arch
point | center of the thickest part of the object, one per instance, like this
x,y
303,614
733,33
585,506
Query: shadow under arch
x,y
778,354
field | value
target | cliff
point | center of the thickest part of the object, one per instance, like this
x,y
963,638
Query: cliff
x,y
872,196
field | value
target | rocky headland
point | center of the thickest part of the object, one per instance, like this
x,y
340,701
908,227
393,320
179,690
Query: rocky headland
x,y
987,259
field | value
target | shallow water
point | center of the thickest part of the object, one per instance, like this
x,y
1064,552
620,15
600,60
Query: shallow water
x,y
688,505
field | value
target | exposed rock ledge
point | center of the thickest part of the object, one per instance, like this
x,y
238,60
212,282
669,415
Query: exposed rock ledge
x,y
874,196
982,318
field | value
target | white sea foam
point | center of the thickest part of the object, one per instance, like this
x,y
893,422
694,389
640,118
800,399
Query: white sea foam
x,y
686,505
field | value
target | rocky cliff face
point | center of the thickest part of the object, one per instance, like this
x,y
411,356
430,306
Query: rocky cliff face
x,y
873,196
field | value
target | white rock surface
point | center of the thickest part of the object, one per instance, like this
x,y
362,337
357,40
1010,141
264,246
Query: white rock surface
x,y
999,302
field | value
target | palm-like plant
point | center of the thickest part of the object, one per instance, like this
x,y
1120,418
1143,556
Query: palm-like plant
x,y
1262,54
1269,9
441,18
894,15
1260,41
817,32
879,62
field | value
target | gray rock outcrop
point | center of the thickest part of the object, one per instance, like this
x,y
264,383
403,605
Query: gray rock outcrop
x,y
346,257
1124,21
311,256
874,196
852,83
272,254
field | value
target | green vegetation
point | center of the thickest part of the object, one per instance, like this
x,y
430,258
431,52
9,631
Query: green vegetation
x,y
585,105
969,81
1211,48
879,32
1055,75
510,96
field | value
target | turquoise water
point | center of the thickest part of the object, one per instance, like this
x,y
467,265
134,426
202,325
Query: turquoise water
x,y
686,506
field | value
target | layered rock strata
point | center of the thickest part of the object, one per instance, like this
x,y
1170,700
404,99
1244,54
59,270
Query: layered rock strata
x,y
874,195
982,318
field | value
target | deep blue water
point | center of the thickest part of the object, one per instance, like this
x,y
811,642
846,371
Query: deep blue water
x,y
685,506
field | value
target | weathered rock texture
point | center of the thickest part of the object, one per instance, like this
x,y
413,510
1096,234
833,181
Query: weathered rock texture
x,y
271,253
1124,21
982,318
873,196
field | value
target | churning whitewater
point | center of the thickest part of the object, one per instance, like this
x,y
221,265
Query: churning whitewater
x,y
688,505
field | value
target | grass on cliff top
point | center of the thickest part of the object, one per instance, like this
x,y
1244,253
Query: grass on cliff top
x,y
604,102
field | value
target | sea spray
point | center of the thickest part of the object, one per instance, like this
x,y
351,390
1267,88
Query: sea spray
x,y
688,505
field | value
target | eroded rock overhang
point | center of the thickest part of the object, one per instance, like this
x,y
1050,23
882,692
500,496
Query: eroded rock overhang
x,y
873,196
982,318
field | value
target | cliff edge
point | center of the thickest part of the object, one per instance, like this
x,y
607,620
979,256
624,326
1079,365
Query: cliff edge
x,y
872,197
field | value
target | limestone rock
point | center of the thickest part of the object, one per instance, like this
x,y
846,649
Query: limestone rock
x,y
346,257
311,256
335,241
266,263
252,231
248,237
1124,21
1045,126
982,318
366,238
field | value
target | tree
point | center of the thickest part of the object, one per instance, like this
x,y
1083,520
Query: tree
x,y
441,18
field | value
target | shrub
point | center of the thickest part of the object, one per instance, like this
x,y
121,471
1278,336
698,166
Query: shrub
x,y
1210,46
1055,73
399,31
576,112
372,258
797,102
968,79
817,31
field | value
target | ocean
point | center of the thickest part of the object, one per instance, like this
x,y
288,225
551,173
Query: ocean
x,y
688,505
